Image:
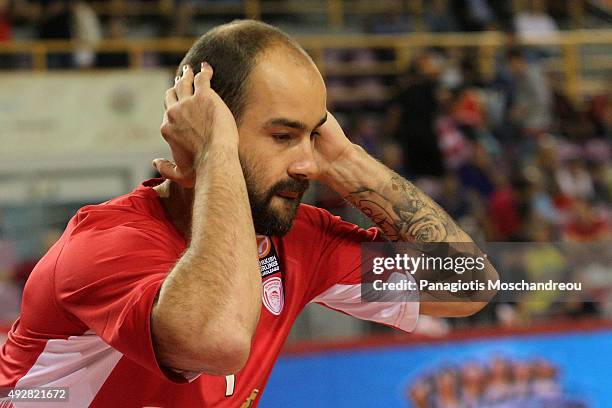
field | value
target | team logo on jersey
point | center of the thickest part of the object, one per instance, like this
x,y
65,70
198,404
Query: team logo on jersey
x,y
263,246
268,259
273,296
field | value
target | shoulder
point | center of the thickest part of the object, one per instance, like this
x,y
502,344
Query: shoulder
x,y
128,232
135,215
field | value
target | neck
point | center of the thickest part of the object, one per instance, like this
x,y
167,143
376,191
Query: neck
x,y
178,205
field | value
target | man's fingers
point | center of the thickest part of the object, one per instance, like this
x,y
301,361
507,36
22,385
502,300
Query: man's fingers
x,y
170,98
184,86
202,79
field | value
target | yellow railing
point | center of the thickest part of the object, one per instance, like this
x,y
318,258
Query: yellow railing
x,y
334,10
568,61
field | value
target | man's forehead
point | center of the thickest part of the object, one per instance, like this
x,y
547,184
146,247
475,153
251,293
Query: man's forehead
x,y
282,92
281,72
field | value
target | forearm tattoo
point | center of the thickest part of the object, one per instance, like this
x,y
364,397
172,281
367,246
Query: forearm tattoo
x,y
404,213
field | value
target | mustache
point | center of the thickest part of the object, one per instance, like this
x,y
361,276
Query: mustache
x,y
290,185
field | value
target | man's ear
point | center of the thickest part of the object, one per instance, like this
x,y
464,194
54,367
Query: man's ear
x,y
170,171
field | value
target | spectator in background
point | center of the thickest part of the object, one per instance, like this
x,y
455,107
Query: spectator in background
x,y
568,120
586,224
477,174
507,209
502,9
453,199
10,12
540,199
440,18
546,159
54,22
6,61
5,20
532,103
574,180
449,61
86,32
411,118
599,112
364,131
533,23
454,146
115,30
601,174
68,20
473,15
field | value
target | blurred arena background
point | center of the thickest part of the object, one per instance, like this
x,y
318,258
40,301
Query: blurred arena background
x,y
500,110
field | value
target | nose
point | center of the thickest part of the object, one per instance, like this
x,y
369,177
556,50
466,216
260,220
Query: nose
x,y
304,165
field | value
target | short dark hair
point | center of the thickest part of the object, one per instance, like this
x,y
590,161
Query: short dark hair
x,y
232,50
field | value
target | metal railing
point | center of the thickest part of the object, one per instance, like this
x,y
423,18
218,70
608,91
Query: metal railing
x,y
572,56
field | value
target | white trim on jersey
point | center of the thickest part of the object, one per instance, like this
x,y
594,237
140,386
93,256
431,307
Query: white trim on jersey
x,y
401,312
82,363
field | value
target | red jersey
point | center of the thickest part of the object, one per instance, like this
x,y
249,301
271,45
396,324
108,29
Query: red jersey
x,y
85,319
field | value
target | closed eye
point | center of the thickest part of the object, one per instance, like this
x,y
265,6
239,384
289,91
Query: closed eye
x,y
314,135
281,137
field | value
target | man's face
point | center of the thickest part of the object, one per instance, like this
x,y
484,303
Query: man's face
x,y
286,103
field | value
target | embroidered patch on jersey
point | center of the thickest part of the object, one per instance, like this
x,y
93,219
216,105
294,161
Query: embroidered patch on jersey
x,y
264,244
268,260
273,296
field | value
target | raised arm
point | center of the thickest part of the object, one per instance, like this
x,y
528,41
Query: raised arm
x,y
401,210
208,306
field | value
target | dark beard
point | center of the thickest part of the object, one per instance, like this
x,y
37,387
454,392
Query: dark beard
x,y
266,220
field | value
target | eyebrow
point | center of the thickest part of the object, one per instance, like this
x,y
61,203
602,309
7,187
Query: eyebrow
x,y
294,124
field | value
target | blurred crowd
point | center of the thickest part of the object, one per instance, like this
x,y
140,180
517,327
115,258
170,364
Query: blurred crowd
x,y
509,155
512,157
87,24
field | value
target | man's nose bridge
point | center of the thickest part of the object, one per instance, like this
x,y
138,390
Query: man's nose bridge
x,y
305,157
305,151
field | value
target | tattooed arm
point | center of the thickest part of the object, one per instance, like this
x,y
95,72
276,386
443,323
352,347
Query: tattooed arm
x,y
395,205
402,211
404,214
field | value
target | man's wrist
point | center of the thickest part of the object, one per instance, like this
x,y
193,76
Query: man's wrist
x,y
219,148
343,174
